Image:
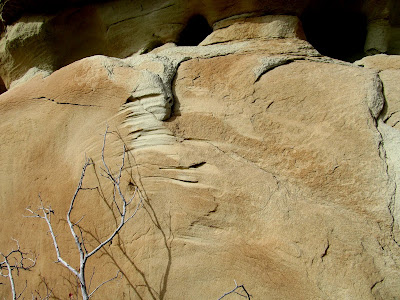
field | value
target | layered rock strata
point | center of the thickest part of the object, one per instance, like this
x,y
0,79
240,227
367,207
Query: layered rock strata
x,y
260,161
48,35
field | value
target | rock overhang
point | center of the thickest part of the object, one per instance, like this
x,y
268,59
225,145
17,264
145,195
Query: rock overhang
x,y
48,35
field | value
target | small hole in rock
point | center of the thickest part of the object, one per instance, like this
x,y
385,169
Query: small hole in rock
x,y
196,30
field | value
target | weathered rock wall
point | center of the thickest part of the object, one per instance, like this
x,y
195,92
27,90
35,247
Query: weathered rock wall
x,y
260,160
54,34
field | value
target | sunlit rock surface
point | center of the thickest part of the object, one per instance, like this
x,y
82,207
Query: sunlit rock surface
x,y
259,158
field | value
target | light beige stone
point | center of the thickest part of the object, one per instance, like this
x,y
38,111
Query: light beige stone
x,y
49,35
275,178
388,67
380,62
266,27
259,160
391,112
113,28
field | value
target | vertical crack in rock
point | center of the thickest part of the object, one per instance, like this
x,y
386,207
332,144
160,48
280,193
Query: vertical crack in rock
x,y
325,253
389,151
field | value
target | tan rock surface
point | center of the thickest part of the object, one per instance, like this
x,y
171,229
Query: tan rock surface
x,y
388,67
246,28
48,35
391,112
113,28
260,161
380,62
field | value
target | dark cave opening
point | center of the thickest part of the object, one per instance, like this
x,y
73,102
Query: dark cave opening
x,y
2,86
196,30
335,30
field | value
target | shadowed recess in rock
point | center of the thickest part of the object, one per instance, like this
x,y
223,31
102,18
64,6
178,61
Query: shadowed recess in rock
x,y
336,30
195,31
2,86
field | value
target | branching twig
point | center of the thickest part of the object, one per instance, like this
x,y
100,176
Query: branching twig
x,y
111,279
37,295
15,260
235,291
124,216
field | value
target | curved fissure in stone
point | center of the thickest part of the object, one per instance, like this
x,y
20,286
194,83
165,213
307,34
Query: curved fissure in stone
x,y
270,63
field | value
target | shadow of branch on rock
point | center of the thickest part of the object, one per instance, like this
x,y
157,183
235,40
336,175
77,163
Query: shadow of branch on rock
x,y
154,290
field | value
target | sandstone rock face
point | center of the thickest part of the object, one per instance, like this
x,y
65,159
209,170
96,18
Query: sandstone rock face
x,y
48,35
388,68
245,28
114,28
259,159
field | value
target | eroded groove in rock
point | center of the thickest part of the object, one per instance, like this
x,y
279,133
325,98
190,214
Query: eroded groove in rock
x,y
389,146
151,101
390,154
192,166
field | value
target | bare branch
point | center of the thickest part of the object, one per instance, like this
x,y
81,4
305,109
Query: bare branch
x,y
20,294
111,279
16,260
134,195
234,291
115,202
121,204
139,205
91,278
46,215
82,240
88,162
76,223
37,294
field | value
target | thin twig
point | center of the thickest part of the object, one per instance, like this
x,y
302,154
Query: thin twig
x,y
15,260
234,291
111,279
91,278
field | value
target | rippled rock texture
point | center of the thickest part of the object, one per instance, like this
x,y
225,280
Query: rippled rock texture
x,y
259,159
